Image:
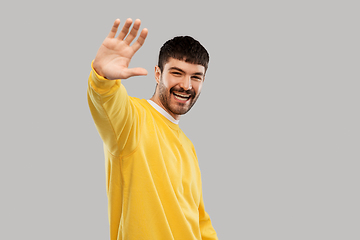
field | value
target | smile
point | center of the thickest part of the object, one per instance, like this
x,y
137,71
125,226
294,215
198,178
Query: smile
x,y
182,97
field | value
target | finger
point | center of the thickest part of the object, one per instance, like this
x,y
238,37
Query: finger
x,y
140,41
131,72
125,29
133,31
114,28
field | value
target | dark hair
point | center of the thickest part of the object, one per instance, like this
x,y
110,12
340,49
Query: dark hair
x,y
183,48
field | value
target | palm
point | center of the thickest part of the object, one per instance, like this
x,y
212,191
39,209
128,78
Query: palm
x,y
114,55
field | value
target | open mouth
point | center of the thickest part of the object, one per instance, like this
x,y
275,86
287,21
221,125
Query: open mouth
x,y
182,97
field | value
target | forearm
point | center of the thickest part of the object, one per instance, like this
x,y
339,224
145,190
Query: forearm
x,y
206,228
108,103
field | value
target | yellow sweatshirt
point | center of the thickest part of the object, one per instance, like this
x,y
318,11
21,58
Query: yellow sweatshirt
x,y
152,175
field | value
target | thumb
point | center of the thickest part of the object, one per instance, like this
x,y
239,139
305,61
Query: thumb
x,y
131,72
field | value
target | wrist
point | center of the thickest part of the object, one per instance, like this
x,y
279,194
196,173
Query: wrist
x,y
97,68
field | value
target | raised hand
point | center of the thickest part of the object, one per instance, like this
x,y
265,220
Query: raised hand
x,y
114,55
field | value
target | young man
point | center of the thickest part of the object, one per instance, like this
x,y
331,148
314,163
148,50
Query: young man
x,y
153,178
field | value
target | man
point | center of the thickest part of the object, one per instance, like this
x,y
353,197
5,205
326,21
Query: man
x,y
153,178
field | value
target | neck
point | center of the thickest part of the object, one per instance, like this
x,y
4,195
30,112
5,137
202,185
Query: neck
x,y
156,100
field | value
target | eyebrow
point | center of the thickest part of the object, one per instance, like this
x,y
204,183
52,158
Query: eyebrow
x,y
180,70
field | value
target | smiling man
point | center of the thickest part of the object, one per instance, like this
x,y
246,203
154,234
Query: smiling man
x,y
179,83
152,174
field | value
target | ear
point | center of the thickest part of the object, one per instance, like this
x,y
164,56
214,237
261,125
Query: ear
x,y
157,74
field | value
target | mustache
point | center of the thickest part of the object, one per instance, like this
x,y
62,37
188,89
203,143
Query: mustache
x,y
181,90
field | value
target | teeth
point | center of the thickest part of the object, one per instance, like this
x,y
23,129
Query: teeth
x,y
180,98
182,95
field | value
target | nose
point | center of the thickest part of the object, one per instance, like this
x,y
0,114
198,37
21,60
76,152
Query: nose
x,y
186,83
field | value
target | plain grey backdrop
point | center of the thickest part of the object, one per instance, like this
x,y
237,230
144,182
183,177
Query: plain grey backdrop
x,y
276,128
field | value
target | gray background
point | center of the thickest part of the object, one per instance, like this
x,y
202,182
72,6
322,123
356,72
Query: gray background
x,y
276,128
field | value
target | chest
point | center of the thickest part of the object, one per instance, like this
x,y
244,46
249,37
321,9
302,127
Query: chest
x,y
172,160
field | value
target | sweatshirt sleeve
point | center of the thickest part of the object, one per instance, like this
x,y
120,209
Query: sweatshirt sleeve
x,y
114,114
206,228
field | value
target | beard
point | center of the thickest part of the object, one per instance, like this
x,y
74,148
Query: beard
x,y
167,99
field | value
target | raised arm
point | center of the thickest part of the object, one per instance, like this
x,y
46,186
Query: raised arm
x,y
114,55
113,114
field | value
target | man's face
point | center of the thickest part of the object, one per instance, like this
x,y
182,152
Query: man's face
x,y
179,86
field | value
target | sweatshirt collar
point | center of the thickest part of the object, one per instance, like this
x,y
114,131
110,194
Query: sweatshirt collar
x,y
163,112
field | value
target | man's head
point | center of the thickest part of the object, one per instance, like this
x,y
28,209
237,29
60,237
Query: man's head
x,y
183,48
180,73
